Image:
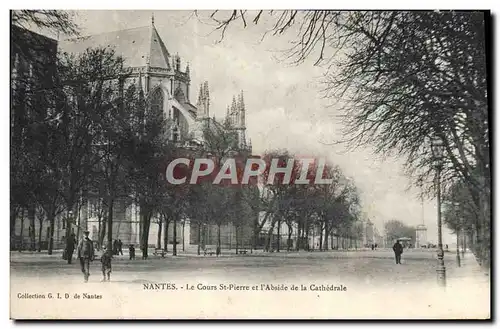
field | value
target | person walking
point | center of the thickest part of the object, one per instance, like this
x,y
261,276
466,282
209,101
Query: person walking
x,y
106,265
398,250
120,246
86,254
70,247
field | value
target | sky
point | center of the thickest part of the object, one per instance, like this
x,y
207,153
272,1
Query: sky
x,y
284,104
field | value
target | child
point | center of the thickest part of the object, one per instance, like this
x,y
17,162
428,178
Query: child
x,y
131,251
106,265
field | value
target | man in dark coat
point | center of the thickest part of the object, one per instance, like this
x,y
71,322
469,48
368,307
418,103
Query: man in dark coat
x,y
86,254
70,247
398,250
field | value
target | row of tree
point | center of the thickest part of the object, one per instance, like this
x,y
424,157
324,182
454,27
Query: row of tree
x,y
83,131
403,78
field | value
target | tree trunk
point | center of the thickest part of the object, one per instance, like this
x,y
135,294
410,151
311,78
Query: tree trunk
x,y
40,232
327,235
52,219
183,241
109,245
102,234
288,242
307,238
99,229
299,237
174,253
236,238
158,240
218,236
279,236
21,244
31,217
321,237
146,221
165,234
199,239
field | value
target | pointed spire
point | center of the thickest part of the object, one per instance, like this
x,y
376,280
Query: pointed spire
x,y
207,98
187,69
233,105
242,101
153,18
200,97
234,108
177,62
242,110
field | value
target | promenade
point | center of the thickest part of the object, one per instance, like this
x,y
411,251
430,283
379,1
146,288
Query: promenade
x,y
375,286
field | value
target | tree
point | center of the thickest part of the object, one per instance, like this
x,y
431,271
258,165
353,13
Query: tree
x,y
149,154
220,144
403,78
278,192
29,45
35,138
395,229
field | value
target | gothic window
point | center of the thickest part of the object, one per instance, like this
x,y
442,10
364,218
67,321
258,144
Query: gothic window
x,y
179,95
175,135
157,100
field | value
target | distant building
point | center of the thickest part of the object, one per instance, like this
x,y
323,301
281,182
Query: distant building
x,y
368,233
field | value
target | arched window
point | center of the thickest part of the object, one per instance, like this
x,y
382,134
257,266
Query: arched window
x,y
175,134
157,100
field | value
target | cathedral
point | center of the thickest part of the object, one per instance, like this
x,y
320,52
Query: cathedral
x,y
166,82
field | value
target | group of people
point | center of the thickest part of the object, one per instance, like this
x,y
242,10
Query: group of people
x,y
117,247
86,254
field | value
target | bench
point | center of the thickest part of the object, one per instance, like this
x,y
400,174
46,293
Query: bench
x,y
209,252
244,252
159,252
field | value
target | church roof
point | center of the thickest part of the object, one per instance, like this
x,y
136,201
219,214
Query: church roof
x,y
138,46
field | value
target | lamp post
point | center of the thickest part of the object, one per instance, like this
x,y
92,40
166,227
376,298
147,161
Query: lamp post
x,y
458,229
464,241
69,220
437,153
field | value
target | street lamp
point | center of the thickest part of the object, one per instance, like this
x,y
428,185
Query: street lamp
x,y
437,154
68,221
458,229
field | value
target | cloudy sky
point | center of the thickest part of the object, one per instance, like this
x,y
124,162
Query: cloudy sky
x,y
284,104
